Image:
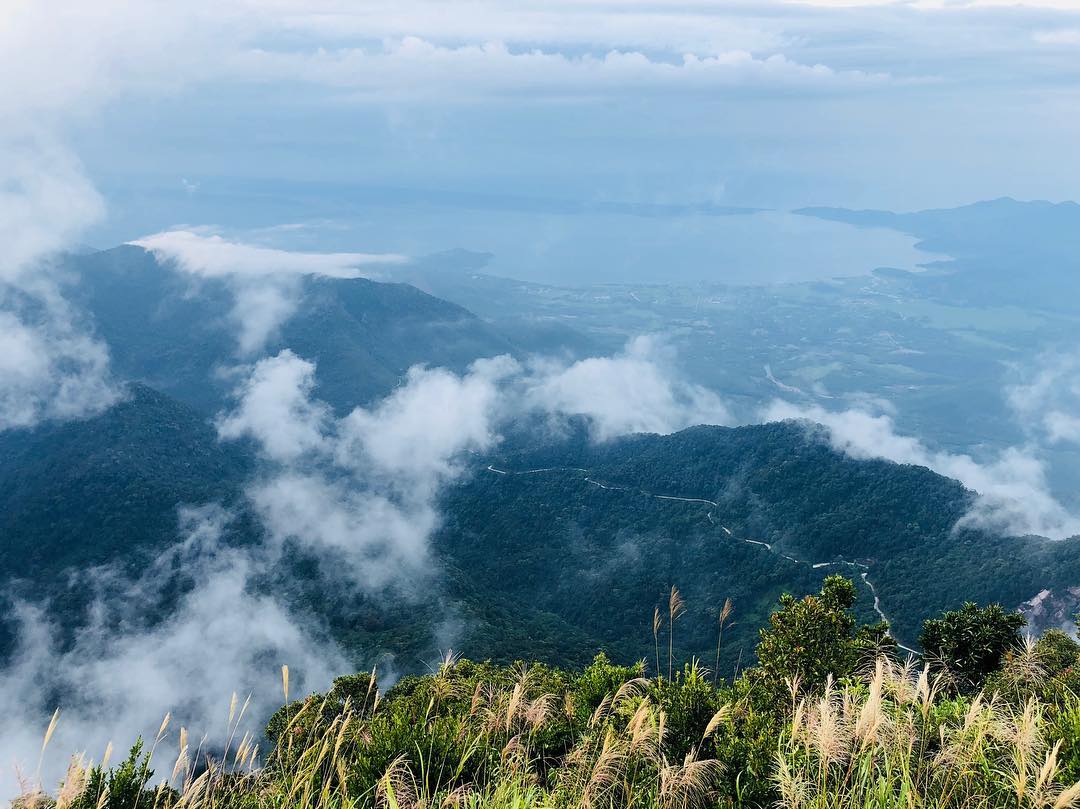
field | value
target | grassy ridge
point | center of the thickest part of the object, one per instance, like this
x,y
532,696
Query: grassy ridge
x,y
829,719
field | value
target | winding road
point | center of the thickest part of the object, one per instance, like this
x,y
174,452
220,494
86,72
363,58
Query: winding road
x,y
863,569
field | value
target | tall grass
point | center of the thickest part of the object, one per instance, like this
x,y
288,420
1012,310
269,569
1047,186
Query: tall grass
x,y
897,741
895,738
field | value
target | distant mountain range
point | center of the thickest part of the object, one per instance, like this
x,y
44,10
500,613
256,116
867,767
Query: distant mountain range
x,y
1001,251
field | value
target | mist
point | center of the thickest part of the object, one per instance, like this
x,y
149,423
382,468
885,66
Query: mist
x,y
358,493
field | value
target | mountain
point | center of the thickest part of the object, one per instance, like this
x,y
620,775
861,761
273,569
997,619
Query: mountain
x,y
556,546
550,549
598,533
84,497
107,489
996,251
173,332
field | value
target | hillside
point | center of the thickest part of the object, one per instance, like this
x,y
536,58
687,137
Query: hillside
x,y
107,489
597,539
550,564
173,332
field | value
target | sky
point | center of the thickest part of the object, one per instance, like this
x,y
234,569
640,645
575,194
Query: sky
x,y
347,118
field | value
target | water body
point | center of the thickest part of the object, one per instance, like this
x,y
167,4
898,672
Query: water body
x,y
757,248
587,248
534,239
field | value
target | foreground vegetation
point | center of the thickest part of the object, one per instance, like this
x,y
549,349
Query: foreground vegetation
x,y
828,717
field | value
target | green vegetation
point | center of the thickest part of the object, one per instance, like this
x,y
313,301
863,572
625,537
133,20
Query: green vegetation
x,y
591,555
830,718
971,642
549,567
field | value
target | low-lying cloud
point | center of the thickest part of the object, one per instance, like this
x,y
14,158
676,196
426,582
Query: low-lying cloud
x,y
1046,403
51,367
358,493
412,67
1014,494
211,256
266,284
123,671
636,391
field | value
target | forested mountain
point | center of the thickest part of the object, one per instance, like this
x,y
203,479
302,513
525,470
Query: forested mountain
x,y
597,538
550,564
107,489
173,331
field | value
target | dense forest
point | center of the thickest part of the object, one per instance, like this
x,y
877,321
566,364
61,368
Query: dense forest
x,y
550,565
598,534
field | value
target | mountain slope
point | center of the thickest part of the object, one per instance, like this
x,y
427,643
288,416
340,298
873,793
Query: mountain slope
x,y
175,332
600,535
553,549
108,488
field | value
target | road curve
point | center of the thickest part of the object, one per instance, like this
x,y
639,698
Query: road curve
x,y
864,569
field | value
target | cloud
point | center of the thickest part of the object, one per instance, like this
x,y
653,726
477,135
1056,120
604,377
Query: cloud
x,y
636,391
266,284
66,72
275,409
211,256
359,492
1061,36
413,435
415,67
1047,403
122,672
1014,495
49,370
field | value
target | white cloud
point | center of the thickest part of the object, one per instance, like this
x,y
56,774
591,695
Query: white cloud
x,y
211,256
266,284
663,25
1014,495
414,67
359,492
1060,36
637,391
275,408
121,675
413,435
49,370
64,73
1047,403
363,536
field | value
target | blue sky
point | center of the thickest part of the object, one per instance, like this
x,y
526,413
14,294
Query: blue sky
x,y
245,115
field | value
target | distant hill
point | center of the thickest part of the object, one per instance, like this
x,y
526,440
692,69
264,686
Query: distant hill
x,y
169,332
107,489
1003,250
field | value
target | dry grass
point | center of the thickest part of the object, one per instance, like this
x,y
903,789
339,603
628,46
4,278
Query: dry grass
x,y
893,741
